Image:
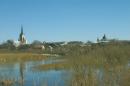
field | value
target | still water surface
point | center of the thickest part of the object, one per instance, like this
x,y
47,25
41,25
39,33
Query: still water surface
x,y
17,72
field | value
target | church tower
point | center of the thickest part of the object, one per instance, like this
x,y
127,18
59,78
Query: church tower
x,y
22,38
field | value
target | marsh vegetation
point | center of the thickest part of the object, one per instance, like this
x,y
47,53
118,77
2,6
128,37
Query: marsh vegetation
x,y
100,64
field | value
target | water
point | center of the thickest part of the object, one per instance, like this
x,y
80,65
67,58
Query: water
x,y
22,74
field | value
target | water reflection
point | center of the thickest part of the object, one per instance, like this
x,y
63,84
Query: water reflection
x,y
21,74
22,67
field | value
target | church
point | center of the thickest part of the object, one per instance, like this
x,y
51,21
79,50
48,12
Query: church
x,y
22,39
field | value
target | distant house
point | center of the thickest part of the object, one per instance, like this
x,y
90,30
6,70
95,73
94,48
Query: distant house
x,y
51,48
41,47
65,43
38,45
16,43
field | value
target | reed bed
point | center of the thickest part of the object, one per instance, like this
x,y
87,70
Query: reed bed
x,y
96,65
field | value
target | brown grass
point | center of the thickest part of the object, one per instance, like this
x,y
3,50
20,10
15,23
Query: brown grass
x,y
20,57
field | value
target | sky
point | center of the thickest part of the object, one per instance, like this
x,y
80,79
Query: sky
x,y
65,20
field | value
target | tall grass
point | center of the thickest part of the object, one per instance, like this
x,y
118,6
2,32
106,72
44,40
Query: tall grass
x,y
110,59
104,64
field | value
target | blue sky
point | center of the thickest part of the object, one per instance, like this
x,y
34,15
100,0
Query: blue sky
x,y
64,20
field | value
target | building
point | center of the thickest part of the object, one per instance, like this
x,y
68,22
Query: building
x,y
103,40
22,39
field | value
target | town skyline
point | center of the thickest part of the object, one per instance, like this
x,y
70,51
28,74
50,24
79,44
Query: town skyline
x,y
22,36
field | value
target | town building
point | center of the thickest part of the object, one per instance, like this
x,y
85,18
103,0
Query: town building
x,y
103,40
22,39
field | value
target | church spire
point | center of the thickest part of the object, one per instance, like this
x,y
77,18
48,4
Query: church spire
x,y
21,29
